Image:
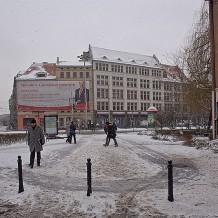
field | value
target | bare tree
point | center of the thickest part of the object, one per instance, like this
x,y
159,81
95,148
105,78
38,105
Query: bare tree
x,y
195,62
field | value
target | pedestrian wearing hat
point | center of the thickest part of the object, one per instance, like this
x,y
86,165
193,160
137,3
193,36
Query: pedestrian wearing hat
x,y
35,141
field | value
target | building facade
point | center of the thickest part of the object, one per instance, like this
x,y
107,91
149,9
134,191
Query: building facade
x,y
126,85
49,89
78,72
117,86
26,98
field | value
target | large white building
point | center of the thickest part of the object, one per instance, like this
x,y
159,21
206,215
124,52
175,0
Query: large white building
x,y
125,85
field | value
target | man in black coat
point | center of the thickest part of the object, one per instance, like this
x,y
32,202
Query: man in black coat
x,y
110,130
35,141
72,132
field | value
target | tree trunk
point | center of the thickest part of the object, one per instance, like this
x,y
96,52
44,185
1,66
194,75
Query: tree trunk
x,y
209,121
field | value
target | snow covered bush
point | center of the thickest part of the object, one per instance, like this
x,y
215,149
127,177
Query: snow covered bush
x,y
7,139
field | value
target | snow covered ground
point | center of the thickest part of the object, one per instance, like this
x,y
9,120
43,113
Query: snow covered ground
x,y
127,181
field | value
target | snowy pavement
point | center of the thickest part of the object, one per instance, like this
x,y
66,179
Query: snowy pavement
x,y
127,181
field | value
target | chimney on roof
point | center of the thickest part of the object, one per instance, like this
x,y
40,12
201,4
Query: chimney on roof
x,y
58,61
154,56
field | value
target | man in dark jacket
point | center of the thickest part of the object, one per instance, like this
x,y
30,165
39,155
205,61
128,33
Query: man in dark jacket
x,y
72,133
35,141
110,130
106,132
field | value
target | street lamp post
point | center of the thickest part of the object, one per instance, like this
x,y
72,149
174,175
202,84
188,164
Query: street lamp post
x,y
109,111
85,57
132,120
72,104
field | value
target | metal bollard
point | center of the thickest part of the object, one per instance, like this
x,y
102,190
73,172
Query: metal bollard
x,y
21,189
170,181
89,178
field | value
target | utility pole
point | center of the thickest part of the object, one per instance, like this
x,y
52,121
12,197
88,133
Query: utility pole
x,y
72,104
109,111
85,57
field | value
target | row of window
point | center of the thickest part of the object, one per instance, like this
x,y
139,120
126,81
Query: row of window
x,y
132,83
133,106
156,73
74,68
118,81
118,68
168,96
170,86
117,106
74,75
169,107
102,93
102,80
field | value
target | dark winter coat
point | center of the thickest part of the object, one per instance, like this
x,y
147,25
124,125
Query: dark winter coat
x,y
111,131
72,129
35,138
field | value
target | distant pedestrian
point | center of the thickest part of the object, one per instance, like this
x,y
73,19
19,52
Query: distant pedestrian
x,y
68,133
110,130
106,127
36,140
72,133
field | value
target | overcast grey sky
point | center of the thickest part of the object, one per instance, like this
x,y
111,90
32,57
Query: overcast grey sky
x,y
41,30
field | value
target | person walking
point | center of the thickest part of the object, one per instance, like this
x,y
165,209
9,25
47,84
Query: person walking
x,y
36,140
106,127
110,130
68,133
72,133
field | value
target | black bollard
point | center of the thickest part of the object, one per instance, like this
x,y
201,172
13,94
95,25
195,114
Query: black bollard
x,y
21,189
170,181
89,177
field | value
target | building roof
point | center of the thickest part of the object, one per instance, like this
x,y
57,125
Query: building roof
x,y
76,63
37,69
107,55
171,70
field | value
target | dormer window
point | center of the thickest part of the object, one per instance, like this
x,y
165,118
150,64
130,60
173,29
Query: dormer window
x,y
104,57
119,59
41,74
145,62
133,61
